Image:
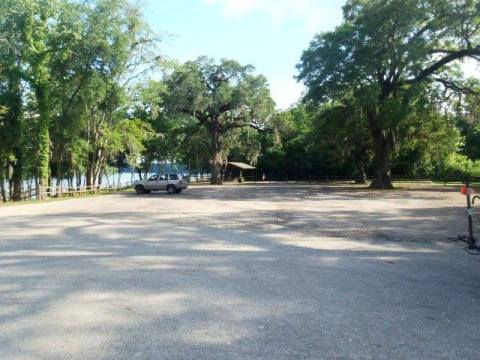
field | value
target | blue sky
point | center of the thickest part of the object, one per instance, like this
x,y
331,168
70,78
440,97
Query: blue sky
x,y
269,34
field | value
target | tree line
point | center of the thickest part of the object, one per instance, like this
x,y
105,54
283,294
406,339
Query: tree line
x,y
85,90
394,65
65,72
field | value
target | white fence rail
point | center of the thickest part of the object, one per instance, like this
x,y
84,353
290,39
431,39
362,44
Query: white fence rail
x,y
61,191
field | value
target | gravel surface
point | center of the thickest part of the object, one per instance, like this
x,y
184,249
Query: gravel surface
x,y
270,271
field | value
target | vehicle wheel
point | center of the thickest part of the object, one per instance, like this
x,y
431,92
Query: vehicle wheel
x,y
171,189
178,191
140,189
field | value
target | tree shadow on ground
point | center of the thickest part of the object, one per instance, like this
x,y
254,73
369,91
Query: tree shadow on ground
x,y
301,192
258,284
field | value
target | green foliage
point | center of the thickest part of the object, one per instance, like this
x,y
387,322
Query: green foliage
x,y
341,132
334,140
386,55
225,92
288,148
457,167
222,98
76,61
428,137
467,117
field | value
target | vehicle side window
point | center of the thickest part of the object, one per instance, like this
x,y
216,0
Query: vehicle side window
x,y
153,178
162,178
173,177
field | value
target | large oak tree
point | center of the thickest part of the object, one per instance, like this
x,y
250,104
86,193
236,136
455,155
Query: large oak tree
x,y
221,97
385,53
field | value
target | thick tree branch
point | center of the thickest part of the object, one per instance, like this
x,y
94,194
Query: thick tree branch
x,y
457,55
455,87
239,125
202,119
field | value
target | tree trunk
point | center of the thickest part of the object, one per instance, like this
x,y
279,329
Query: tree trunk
x,y
216,153
78,178
89,173
360,176
37,188
98,176
3,193
93,168
17,176
216,168
59,171
10,179
14,120
43,139
382,162
100,164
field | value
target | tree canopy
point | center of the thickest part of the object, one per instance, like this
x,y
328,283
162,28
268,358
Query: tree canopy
x,y
64,75
385,55
220,97
85,91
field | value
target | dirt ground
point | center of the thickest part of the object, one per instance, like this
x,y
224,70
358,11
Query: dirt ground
x,y
271,271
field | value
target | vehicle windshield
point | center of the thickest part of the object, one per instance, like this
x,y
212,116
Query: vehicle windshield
x,y
153,178
174,177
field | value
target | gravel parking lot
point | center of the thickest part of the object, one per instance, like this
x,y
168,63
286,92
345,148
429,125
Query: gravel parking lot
x,y
270,271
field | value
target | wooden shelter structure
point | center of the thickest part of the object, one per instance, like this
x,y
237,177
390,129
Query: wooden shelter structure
x,y
235,170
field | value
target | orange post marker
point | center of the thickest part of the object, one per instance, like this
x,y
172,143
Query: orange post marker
x,y
467,190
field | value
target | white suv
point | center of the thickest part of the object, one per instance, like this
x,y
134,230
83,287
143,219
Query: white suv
x,y
173,183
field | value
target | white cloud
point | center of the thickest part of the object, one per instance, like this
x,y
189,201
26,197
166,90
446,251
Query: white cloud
x,y
312,11
286,92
